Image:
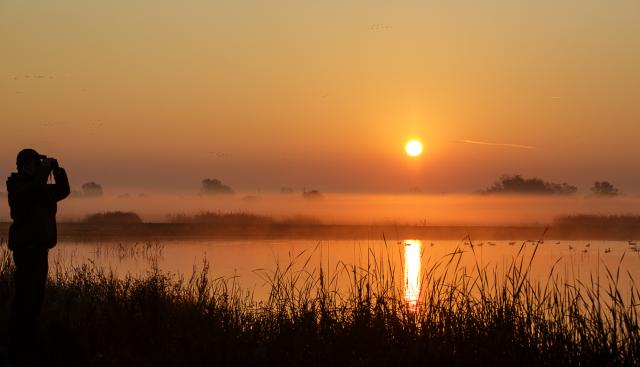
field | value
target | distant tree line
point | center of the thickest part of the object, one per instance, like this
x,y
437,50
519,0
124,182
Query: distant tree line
x,y
518,185
240,219
506,184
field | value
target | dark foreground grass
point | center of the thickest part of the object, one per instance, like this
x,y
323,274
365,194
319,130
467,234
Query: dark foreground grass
x,y
92,318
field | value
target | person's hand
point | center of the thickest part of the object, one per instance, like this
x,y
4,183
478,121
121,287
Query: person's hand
x,y
42,174
54,164
56,169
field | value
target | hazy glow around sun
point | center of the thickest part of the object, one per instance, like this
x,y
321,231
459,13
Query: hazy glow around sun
x,y
413,148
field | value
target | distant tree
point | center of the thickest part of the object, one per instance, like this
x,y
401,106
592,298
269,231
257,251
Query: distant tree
x,y
92,189
117,217
516,184
214,187
604,188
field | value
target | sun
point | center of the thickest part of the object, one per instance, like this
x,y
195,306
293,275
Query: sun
x,y
413,148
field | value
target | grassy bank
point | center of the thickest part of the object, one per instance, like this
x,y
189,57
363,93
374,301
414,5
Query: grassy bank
x,y
462,318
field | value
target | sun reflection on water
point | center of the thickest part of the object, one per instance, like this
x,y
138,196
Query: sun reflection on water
x,y
412,265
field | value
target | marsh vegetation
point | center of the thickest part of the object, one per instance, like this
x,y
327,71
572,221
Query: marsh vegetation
x,y
459,315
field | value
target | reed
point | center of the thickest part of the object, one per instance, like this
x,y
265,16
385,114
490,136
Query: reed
x,y
462,316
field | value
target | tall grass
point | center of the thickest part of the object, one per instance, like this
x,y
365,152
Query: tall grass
x,y
462,317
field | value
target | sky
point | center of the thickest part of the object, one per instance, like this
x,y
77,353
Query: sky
x,y
157,95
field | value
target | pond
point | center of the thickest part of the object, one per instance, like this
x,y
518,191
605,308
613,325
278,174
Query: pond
x,y
407,264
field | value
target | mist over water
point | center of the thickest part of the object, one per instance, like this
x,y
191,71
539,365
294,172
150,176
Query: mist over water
x,y
449,209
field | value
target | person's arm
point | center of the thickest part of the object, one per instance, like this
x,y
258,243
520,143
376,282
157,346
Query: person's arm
x,y
61,188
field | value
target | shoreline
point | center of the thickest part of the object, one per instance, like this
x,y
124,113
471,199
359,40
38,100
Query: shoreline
x,y
159,231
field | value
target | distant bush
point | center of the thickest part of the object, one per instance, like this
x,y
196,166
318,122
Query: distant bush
x,y
117,217
604,189
92,189
516,184
214,187
286,190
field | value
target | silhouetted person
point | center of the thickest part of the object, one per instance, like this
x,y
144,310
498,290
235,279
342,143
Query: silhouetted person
x,y
33,204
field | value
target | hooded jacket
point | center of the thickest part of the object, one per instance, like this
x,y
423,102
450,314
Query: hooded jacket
x,y
33,205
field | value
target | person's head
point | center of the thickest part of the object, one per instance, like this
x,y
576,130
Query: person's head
x,y
28,161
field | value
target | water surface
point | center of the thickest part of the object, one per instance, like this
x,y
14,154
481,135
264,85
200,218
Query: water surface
x,y
406,263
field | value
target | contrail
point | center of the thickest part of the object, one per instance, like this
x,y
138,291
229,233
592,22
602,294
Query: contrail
x,y
519,146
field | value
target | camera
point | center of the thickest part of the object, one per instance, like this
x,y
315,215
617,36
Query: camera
x,y
48,162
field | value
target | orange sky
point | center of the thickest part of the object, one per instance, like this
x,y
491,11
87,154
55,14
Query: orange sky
x,y
264,94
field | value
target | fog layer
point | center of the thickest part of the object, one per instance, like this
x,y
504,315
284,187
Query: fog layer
x,y
356,209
